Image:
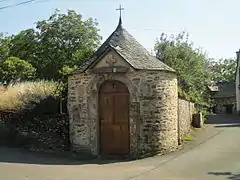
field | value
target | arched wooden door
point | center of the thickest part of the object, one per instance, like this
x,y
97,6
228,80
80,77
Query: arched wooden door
x,y
114,118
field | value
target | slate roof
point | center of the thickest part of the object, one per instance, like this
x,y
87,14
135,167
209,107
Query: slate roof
x,y
131,50
225,90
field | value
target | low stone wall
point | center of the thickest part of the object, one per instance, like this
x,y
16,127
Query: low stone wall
x,y
186,109
45,133
50,133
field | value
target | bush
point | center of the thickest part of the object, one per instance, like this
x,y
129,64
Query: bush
x,y
204,112
14,69
45,133
29,117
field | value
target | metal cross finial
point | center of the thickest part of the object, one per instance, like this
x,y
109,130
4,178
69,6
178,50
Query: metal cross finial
x,y
120,9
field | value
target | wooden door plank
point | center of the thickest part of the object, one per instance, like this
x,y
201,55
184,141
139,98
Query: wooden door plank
x,y
114,118
106,118
121,117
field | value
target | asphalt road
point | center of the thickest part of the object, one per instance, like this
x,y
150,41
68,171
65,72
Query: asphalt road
x,y
215,154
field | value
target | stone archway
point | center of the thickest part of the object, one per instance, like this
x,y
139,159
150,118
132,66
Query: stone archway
x,y
114,118
93,89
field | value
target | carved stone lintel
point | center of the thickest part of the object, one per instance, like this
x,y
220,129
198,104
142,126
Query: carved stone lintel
x,y
116,69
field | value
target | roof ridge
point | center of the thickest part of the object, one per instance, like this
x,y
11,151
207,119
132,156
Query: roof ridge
x,y
130,49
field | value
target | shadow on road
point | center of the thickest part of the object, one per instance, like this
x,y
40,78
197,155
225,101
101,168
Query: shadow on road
x,y
223,119
228,125
228,175
15,155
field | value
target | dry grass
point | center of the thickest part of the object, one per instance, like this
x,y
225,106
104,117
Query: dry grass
x,y
18,96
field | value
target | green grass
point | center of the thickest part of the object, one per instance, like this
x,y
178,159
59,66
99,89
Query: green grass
x,y
188,138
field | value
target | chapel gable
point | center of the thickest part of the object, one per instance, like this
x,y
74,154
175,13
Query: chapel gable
x,y
111,59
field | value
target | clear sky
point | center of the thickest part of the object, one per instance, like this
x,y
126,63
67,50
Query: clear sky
x,y
213,25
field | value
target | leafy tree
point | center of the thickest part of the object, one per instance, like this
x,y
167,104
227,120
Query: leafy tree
x,y
62,40
66,70
190,64
223,70
25,46
14,69
4,47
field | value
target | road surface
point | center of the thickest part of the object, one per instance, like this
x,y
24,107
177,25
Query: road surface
x,y
215,154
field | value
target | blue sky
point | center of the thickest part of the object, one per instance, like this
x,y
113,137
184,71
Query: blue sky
x,y
213,25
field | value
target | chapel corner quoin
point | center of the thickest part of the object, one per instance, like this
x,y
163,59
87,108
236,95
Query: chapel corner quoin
x,y
123,101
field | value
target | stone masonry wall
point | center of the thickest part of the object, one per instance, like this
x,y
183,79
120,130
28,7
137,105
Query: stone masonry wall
x,y
221,102
158,112
153,110
186,109
78,112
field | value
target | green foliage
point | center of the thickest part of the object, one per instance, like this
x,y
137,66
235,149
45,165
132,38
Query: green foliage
x,y
62,40
66,70
188,138
50,51
25,45
223,70
4,47
13,69
63,86
190,64
204,114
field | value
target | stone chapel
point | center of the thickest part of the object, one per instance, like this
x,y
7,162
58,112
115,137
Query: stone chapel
x,y
123,101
